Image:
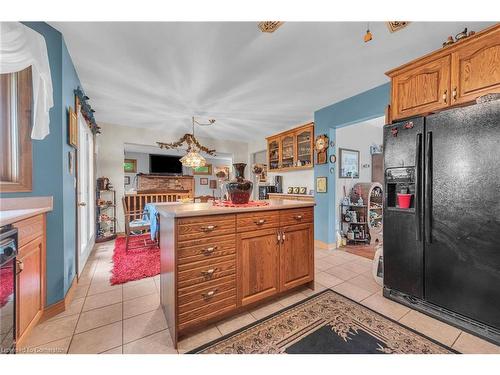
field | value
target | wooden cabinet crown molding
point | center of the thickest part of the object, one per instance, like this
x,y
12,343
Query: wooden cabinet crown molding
x,y
454,75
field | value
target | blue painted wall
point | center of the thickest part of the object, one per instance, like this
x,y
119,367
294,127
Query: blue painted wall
x,y
361,107
50,168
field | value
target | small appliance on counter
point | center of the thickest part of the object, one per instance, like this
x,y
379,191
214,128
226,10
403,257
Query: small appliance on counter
x,y
264,191
8,254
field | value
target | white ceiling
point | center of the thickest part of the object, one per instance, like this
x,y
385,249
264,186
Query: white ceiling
x,y
157,75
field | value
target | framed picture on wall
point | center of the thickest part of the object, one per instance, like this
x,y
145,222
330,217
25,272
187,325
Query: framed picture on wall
x,y
130,166
213,184
203,181
321,184
127,180
205,170
223,169
348,163
72,129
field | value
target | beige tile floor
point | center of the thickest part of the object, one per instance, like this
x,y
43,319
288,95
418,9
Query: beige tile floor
x,y
127,319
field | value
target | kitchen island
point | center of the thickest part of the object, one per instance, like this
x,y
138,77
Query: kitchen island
x,y
218,261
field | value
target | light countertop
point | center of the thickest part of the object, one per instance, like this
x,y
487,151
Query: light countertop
x,y
15,209
202,209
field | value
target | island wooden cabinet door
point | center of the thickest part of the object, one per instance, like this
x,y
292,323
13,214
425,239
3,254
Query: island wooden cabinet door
x,y
296,256
258,257
29,284
475,69
424,88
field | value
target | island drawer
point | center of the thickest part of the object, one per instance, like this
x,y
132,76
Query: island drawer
x,y
257,220
205,226
212,248
297,216
205,271
206,295
206,312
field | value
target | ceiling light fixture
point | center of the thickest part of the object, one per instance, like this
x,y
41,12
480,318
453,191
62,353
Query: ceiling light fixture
x,y
394,26
193,158
269,26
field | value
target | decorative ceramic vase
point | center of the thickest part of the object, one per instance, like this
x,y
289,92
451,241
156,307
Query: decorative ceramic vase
x,y
239,189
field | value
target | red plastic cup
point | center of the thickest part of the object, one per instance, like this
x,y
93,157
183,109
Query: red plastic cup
x,y
404,200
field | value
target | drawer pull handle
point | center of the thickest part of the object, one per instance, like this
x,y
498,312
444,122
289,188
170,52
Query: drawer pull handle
x,y
298,217
454,93
208,273
208,228
279,238
284,238
209,250
445,96
210,294
260,222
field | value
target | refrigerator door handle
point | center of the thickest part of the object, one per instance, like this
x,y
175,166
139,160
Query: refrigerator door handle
x,y
418,193
428,188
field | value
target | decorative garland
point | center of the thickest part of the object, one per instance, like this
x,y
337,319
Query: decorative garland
x,y
87,111
189,139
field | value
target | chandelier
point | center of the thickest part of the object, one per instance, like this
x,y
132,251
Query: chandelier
x,y
193,158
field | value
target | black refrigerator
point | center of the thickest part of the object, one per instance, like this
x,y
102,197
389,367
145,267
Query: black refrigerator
x,y
442,245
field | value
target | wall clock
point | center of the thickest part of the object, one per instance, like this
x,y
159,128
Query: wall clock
x,y
321,147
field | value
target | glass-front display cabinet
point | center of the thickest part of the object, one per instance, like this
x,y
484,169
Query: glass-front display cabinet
x,y
304,148
273,153
288,151
292,149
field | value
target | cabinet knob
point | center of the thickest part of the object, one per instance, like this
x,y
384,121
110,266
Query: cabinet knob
x,y
445,96
454,93
209,250
208,273
209,294
298,217
208,228
20,266
82,204
284,237
260,222
279,237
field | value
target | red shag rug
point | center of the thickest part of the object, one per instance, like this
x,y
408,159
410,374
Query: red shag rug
x,y
139,262
6,285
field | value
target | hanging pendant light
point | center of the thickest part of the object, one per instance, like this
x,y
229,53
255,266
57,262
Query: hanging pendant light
x,y
193,159
368,35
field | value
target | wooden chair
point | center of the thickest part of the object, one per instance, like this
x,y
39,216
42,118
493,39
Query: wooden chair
x,y
137,222
204,198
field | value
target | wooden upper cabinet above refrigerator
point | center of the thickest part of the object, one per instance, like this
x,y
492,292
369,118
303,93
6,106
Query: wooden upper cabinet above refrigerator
x,y
453,75
421,89
475,68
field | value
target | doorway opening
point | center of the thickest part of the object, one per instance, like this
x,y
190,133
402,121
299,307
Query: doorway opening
x,y
359,179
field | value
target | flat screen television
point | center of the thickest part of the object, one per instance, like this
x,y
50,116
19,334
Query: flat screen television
x,y
165,164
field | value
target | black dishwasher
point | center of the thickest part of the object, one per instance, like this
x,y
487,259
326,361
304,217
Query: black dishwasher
x,y
8,253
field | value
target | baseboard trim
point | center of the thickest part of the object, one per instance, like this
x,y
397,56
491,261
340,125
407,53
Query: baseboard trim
x,y
325,246
60,306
